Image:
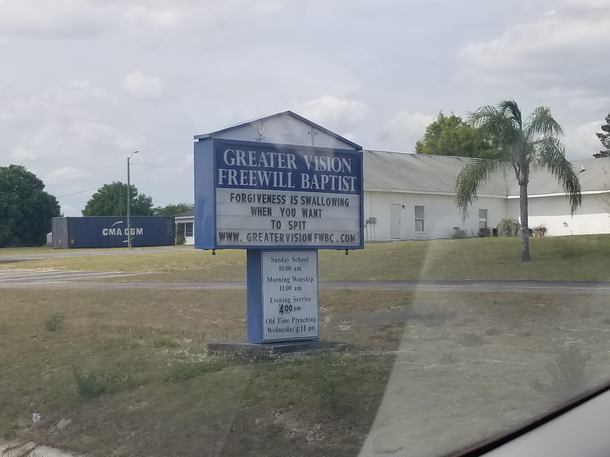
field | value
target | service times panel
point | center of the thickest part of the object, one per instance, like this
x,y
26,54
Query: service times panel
x,y
290,295
286,218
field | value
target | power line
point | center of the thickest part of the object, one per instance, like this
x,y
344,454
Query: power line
x,y
75,193
76,203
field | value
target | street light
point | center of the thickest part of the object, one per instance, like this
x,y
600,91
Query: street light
x,y
129,201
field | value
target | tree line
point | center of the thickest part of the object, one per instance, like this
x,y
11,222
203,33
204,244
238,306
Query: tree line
x,y
111,200
27,210
453,136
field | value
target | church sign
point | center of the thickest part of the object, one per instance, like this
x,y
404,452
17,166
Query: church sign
x,y
281,187
277,196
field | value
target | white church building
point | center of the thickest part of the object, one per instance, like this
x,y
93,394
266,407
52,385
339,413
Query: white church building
x,y
412,196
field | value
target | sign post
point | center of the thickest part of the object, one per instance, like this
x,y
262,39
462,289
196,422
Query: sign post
x,y
281,202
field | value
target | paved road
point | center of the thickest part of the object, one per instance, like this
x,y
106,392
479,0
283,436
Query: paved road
x,y
20,279
31,278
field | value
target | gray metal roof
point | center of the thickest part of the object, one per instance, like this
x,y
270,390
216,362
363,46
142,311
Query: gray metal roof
x,y
189,213
435,174
421,173
594,175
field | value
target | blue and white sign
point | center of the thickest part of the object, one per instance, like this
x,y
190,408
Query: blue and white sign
x,y
259,186
254,195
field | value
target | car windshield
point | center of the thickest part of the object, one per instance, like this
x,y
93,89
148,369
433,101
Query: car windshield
x,y
299,228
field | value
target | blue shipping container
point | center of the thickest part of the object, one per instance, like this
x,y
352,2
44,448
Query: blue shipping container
x,y
111,232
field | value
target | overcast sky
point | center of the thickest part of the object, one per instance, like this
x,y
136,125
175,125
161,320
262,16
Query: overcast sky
x,y
83,83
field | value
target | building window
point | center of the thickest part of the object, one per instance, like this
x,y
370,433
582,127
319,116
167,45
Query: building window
x,y
419,218
185,228
482,218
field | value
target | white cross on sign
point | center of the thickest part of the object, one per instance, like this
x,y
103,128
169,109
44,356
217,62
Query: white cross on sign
x,y
312,132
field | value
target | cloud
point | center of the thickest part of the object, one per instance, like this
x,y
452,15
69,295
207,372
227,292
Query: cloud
x,y
90,18
580,140
335,113
576,100
564,48
23,105
71,122
97,19
77,141
66,18
22,154
188,161
143,87
404,130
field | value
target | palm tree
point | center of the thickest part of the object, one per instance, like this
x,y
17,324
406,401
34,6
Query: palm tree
x,y
520,145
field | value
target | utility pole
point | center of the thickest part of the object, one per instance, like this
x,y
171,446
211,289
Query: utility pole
x,y
129,201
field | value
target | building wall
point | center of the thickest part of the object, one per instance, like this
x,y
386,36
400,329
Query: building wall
x,y
440,215
554,212
182,225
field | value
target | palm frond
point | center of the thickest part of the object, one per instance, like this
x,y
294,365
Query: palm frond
x,y
472,176
481,115
510,110
550,154
494,126
542,123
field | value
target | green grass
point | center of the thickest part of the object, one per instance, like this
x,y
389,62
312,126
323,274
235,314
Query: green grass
x,y
574,258
184,371
130,369
567,258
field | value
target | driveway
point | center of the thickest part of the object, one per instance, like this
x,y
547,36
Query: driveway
x,y
73,280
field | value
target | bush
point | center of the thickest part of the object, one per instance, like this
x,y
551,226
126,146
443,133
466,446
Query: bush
x,y
92,384
508,227
458,234
180,239
540,230
54,323
484,232
164,341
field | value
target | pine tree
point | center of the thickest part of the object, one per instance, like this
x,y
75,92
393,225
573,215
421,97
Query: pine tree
x,y
604,138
